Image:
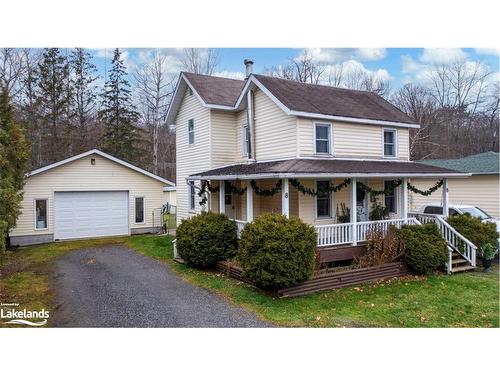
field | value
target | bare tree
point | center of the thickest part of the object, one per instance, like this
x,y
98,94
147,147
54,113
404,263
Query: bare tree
x,y
12,70
200,61
155,88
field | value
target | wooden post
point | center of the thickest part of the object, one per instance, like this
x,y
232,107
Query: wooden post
x,y
404,193
354,217
222,193
249,202
445,198
285,198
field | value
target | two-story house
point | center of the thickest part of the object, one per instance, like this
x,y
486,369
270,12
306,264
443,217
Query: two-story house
x,y
327,155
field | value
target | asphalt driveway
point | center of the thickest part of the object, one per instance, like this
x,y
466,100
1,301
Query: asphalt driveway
x,y
117,287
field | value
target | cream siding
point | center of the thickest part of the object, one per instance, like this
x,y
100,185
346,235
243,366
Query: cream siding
x,y
275,131
477,190
191,158
224,138
170,197
351,140
80,175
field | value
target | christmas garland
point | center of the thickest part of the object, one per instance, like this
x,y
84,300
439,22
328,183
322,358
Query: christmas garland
x,y
332,188
205,185
427,192
368,189
266,192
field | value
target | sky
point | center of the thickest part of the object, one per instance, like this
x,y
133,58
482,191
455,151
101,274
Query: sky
x,y
397,65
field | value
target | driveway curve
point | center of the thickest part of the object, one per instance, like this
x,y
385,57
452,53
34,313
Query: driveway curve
x,y
117,287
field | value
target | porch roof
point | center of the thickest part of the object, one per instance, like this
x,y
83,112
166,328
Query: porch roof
x,y
314,168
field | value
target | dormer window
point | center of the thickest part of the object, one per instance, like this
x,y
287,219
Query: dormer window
x,y
191,131
323,142
390,143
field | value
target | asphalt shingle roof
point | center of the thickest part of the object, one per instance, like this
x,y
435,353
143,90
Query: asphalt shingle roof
x,y
216,90
484,163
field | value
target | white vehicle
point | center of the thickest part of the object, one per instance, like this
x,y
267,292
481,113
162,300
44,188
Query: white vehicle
x,y
460,209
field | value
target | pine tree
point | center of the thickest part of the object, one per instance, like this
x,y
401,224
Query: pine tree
x,y
14,154
84,98
53,94
119,116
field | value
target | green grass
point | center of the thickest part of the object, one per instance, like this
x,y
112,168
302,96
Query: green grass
x,y
462,300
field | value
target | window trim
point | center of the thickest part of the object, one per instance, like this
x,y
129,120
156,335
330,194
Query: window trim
x,y
143,209
395,132
396,200
330,140
331,197
191,186
46,213
191,121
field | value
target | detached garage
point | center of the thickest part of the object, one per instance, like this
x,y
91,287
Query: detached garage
x,y
89,195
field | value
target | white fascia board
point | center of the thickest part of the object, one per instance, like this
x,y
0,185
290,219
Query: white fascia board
x,y
169,120
104,155
326,175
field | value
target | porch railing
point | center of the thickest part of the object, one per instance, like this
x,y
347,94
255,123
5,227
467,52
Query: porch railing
x,y
240,224
339,234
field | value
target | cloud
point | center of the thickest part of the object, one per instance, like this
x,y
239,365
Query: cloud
x,y
442,55
337,55
409,65
229,74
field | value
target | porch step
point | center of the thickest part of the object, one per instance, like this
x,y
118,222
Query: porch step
x,y
459,260
462,269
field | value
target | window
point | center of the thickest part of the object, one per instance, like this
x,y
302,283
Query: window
x,y
41,214
246,141
323,142
192,197
139,210
228,196
389,143
191,131
323,199
390,198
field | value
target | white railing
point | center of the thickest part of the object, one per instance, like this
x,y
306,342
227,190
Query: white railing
x,y
240,224
454,239
334,234
174,247
338,234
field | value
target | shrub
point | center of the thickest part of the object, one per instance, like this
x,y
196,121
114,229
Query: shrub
x,y
487,251
378,211
475,230
276,252
204,239
425,250
380,248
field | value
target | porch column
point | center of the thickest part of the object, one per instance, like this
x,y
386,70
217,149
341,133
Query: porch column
x,y
445,198
249,202
285,198
404,193
222,193
354,217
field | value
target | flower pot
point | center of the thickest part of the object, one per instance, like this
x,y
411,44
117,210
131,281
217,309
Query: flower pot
x,y
486,264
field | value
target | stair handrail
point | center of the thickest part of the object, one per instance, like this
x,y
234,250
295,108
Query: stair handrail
x,y
444,224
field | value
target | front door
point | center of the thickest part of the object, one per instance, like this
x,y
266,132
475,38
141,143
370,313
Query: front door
x,y
228,200
361,204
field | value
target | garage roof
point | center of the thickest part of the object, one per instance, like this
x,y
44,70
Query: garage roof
x,y
104,155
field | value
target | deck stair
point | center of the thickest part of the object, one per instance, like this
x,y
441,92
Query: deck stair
x,y
462,252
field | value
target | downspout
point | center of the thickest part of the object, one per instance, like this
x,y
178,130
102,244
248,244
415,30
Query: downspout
x,y
251,127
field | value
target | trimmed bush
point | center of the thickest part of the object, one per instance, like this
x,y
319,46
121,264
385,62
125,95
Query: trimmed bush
x,y
204,239
472,228
276,252
424,248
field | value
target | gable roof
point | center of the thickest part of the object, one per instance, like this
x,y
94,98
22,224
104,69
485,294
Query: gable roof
x,y
484,163
294,98
104,155
216,90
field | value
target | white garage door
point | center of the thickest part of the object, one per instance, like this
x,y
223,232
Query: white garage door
x,y
90,214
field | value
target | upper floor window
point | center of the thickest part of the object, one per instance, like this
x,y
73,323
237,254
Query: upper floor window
x,y
191,131
139,210
390,142
246,141
41,214
323,138
323,199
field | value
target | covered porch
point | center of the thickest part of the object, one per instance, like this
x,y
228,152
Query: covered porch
x,y
343,200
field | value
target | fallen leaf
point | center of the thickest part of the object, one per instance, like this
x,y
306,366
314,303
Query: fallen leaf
x,y
318,318
423,318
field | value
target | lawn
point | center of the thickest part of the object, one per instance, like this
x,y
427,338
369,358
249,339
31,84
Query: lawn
x,y
462,300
